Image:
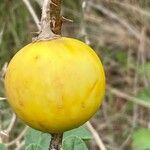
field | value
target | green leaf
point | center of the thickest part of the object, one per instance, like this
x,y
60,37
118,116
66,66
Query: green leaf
x,y
73,143
37,137
33,147
144,94
3,147
141,139
81,132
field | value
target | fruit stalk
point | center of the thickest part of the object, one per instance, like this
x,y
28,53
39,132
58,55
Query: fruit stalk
x,y
56,142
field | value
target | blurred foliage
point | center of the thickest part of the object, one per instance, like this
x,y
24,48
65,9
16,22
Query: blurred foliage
x,y
3,147
144,94
141,139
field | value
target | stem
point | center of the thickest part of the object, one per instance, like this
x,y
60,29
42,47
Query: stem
x,y
56,142
51,20
55,16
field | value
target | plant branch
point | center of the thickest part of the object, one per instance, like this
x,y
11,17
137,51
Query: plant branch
x,y
20,136
132,7
96,136
11,125
55,16
2,98
114,16
128,97
20,146
56,142
3,71
83,23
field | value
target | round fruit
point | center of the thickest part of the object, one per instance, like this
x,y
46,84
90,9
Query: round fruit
x,y
55,85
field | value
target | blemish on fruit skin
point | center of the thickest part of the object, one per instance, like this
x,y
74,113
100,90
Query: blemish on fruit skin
x,y
83,105
60,103
89,92
42,127
20,103
93,86
36,57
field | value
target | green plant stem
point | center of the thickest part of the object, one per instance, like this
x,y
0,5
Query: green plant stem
x,y
56,141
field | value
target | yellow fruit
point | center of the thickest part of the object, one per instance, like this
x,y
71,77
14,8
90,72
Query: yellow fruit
x,y
55,85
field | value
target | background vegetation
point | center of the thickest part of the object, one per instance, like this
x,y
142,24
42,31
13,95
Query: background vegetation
x,y
119,31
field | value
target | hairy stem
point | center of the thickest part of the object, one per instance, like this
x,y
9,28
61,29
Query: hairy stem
x,y
56,142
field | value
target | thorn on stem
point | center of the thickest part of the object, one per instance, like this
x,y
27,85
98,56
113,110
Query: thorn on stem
x,y
66,19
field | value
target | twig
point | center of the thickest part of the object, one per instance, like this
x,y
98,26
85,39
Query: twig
x,y
18,138
129,97
56,142
33,14
142,56
3,136
126,142
11,125
2,98
19,147
114,16
1,33
130,6
83,24
3,71
135,89
96,136
40,2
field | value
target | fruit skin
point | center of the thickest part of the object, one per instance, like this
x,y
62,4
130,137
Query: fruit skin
x,y
55,85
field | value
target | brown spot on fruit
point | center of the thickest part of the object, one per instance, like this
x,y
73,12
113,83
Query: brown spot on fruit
x,y
20,103
83,105
36,57
41,125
